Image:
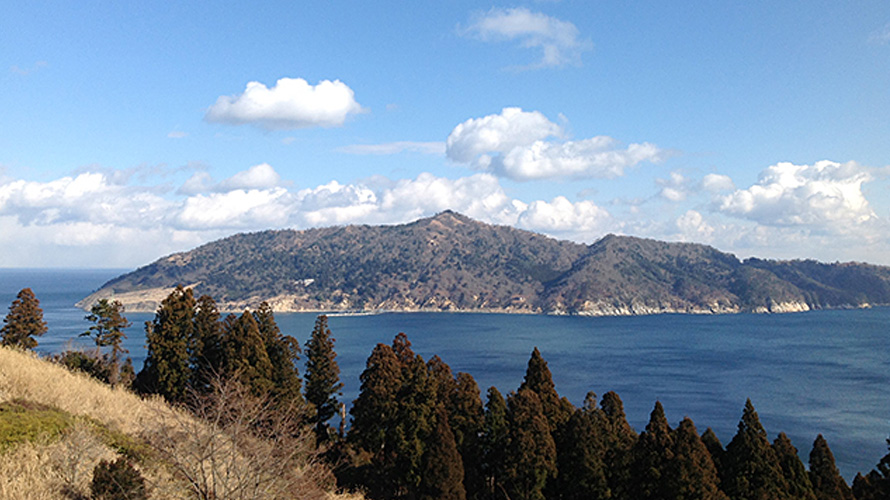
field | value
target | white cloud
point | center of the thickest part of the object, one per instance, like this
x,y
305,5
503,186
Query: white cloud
x,y
717,182
256,177
292,103
559,41
694,228
560,216
237,209
512,144
392,148
675,188
825,194
177,134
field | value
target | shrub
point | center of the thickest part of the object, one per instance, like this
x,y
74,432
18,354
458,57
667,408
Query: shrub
x,y
117,480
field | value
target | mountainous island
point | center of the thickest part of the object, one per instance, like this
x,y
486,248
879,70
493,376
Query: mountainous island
x,y
450,262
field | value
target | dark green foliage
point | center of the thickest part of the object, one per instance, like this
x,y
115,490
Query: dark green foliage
x,y
876,484
619,439
443,470
373,409
96,366
206,354
751,469
692,473
494,443
245,354
24,322
799,485
283,352
322,376
539,380
108,330
531,452
715,448
414,424
582,453
652,458
117,480
827,481
168,336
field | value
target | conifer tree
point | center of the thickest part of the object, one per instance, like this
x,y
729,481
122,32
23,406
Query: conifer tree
x,y
283,352
652,458
693,474
374,408
531,453
322,376
108,330
619,438
539,379
465,416
751,468
876,484
166,370
24,321
827,481
799,485
246,357
414,425
581,455
494,442
715,448
206,354
443,470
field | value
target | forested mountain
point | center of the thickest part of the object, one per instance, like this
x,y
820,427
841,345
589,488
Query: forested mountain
x,y
450,262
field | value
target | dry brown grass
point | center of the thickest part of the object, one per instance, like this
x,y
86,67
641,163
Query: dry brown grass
x,y
62,469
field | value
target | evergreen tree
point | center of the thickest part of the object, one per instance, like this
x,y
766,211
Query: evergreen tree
x,y
752,471
531,453
373,409
443,470
166,370
494,443
24,321
619,438
206,352
108,330
465,416
799,485
693,475
581,455
827,481
876,484
539,379
652,458
246,358
322,376
414,425
715,448
283,352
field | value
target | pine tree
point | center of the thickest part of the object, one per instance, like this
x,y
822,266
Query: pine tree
x,y
465,417
24,321
322,376
715,448
374,408
108,330
652,458
166,370
443,470
693,475
827,481
581,455
751,469
414,425
494,443
246,358
799,485
531,453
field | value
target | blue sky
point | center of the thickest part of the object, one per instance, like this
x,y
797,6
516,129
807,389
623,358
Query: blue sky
x,y
133,130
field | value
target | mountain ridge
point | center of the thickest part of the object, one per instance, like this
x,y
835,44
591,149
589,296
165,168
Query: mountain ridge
x,y
450,262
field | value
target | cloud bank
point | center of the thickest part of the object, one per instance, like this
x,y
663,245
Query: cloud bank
x,y
526,145
291,104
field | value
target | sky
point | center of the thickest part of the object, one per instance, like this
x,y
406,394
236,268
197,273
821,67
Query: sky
x,y
133,130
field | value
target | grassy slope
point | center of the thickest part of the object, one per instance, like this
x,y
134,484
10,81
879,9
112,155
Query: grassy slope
x,y
72,423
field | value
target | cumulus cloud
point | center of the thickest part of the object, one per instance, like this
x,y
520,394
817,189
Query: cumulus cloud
x,y
717,182
559,41
823,194
292,103
561,215
675,188
261,176
693,227
392,148
525,145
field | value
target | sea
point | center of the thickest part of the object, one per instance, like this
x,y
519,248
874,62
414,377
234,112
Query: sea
x,y
806,373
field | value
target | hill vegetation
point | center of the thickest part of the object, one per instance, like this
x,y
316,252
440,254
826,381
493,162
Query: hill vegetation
x,y
450,262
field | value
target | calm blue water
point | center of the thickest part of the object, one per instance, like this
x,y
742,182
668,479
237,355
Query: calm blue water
x,y
821,372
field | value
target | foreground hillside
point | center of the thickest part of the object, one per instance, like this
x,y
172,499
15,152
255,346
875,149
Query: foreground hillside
x,y
56,425
453,263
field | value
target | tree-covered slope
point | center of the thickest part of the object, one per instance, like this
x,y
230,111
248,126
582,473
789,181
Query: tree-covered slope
x,y
451,262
